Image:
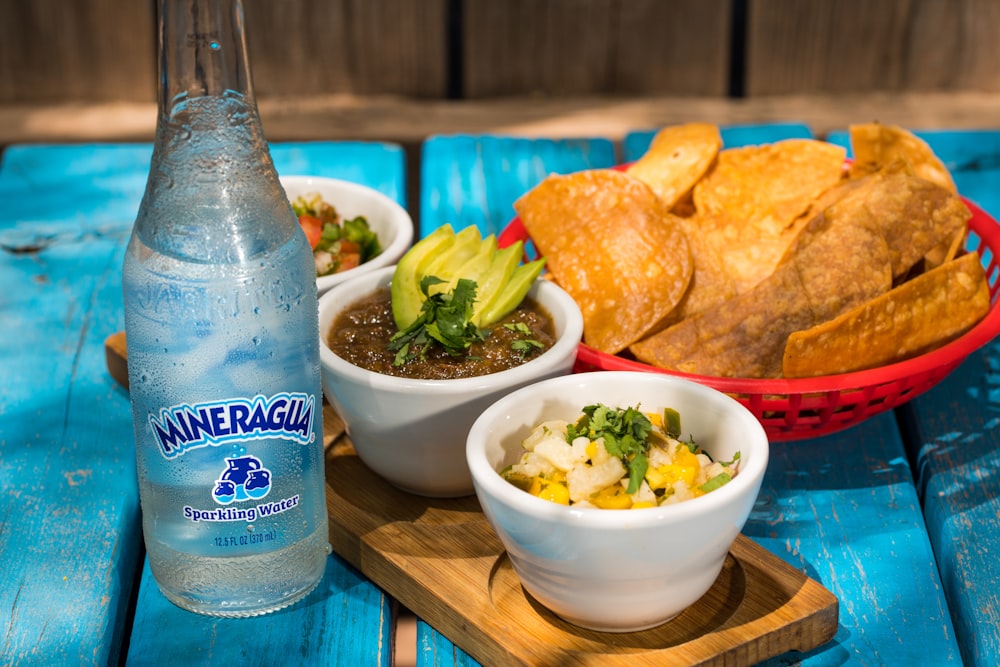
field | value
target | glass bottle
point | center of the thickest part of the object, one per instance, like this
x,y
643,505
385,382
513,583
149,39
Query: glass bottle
x,y
221,326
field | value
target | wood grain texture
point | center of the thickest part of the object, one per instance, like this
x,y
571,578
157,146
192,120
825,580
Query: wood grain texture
x,y
682,47
84,51
474,180
442,559
314,47
955,441
345,621
69,510
379,118
583,47
856,45
103,51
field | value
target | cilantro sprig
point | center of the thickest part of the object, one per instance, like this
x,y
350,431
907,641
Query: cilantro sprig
x,y
445,319
523,346
626,436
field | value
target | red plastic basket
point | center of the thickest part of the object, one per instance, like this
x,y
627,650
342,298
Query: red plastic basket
x,y
792,409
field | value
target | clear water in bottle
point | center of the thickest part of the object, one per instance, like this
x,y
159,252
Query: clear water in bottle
x,y
222,334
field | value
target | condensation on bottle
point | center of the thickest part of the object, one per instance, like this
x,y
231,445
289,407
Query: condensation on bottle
x,y
221,325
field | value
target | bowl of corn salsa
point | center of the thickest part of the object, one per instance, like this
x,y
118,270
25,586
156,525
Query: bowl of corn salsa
x,y
620,538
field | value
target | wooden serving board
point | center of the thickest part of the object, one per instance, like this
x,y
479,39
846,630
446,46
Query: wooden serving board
x,y
442,560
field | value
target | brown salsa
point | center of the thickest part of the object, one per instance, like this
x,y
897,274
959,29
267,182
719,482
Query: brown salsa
x,y
361,334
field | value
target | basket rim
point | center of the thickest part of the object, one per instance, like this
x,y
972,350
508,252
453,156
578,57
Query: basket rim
x,y
949,355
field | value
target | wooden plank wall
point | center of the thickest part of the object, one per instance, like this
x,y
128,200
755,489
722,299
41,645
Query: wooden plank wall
x,y
401,70
835,46
54,51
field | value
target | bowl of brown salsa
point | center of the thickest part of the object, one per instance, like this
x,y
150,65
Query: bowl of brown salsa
x,y
408,408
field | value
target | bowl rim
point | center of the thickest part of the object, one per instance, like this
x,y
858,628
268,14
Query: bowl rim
x,y
544,291
399,217
489,482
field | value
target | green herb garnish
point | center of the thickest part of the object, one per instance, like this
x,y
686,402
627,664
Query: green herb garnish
x,y
523,346
445,319
721,479
672,423
625,433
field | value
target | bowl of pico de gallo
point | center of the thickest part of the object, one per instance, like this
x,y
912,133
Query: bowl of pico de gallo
x,y
353,229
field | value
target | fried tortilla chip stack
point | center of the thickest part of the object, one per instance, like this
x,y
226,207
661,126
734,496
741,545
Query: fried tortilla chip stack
x,y
626,278
766,261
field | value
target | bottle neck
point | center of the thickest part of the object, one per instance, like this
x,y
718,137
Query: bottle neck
x,y
213,187
203,52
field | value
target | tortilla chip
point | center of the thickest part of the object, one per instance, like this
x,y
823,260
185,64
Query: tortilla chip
x,y
610,242
749,255
917,316
768,187
875,145
676,159
750,206
892,149
712,281
931,217
839,260
845,255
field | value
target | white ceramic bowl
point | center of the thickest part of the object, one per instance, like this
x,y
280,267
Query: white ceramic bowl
x,y
617,570
412,432
387,218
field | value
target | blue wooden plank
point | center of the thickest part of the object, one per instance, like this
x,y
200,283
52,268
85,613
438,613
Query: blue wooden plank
x,y
434,650
70,537
333,625
955,440
637,143
378,165
843,508
69,509
474,180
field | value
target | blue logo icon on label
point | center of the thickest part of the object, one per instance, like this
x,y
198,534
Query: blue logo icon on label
x,y
245,478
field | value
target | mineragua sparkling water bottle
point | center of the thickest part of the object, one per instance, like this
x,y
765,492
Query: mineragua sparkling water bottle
x,y
222,332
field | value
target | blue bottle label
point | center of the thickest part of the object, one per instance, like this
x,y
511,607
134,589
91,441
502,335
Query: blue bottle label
x,y
181,428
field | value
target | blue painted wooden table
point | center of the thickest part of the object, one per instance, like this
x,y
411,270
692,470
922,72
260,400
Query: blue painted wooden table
x,y
898,516
70,536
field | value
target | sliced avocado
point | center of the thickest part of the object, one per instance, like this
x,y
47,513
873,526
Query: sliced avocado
x,y
407,299
491,283
476,266
501,283
445,264
513,292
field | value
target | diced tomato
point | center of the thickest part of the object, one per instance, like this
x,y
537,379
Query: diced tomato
x,y
313,227
349,247
349,261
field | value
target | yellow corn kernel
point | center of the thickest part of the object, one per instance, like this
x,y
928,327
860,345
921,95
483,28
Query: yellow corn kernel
x,y
685,468
655,479
683,456
591,450
555,492
655,418
643,503
612,498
